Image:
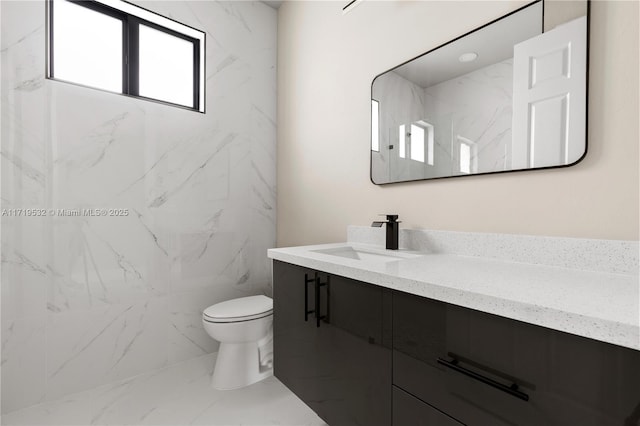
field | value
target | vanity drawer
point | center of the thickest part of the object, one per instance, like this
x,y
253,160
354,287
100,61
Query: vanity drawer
x,y
410,411
464,363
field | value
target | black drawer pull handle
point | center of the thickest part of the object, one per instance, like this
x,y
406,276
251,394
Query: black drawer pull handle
x,y
511,390
308,281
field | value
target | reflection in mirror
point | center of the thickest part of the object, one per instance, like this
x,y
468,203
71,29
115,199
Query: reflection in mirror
x,y
375,112
505,97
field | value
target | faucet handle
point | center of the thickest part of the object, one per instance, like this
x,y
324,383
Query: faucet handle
x,y
390,217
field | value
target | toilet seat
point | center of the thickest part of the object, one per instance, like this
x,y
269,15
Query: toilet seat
x,y
238,310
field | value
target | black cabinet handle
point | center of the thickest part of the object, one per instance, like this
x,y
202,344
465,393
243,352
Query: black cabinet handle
x,y
511,390
317,307
308,281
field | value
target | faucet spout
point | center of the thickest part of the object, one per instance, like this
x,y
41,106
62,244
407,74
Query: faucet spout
x,y
392,230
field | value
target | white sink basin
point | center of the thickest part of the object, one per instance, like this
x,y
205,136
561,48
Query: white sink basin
x,y
349,252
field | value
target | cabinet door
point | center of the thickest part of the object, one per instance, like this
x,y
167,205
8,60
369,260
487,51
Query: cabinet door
x,y
464,363
295,341
354,369
341,368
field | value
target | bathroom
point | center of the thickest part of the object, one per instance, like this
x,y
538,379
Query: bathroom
x,y
102,316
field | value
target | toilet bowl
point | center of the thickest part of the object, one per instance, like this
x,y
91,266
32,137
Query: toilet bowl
x,y
243,327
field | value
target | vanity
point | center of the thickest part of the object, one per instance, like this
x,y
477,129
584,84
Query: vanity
x,y
459,330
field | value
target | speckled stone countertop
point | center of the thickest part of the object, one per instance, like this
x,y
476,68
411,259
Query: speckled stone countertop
x,y
599,305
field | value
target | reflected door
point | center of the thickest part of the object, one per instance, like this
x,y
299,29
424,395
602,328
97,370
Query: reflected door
x,y
549,97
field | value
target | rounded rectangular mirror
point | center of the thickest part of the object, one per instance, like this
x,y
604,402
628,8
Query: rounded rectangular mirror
x,y
508,96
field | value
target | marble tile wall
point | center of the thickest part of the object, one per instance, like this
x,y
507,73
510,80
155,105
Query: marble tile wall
x,y
477,107
401,102
90,300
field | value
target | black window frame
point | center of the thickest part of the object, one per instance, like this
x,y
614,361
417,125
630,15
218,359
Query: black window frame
x,y
130,51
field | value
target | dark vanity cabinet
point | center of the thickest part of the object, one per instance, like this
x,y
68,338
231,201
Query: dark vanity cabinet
x,y
332,349
374,356
481,369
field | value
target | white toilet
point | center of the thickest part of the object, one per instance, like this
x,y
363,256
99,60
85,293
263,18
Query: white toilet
x,y
243,327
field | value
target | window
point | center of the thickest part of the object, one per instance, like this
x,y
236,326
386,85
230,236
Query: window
x,y
119,47
93,59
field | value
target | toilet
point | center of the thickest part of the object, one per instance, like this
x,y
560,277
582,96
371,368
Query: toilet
x,y
243,327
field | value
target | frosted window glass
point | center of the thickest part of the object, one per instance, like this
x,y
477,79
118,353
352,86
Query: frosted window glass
x,y
375,140
417,143
166,67
87,47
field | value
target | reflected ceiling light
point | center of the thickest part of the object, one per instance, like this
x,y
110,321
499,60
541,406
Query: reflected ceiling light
x,y
468,57
350,6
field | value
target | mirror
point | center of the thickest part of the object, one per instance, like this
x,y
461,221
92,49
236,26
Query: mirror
x,y
508,96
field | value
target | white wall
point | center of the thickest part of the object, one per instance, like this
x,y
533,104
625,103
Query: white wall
x,y
326,62
89,300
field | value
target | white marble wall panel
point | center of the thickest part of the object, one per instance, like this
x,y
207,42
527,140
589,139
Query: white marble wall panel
x,y
25,157
24,368
96,346
90,300
262,196
187,338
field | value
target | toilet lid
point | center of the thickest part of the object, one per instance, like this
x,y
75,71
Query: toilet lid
x,y
241,308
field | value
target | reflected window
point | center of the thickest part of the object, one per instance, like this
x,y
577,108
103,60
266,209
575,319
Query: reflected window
x,y
422,142
402,142
468,155
417,143
375,113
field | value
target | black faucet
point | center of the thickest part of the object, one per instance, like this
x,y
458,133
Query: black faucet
x,y
392,230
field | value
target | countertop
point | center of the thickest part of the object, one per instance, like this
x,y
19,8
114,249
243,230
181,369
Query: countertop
x,y
599,305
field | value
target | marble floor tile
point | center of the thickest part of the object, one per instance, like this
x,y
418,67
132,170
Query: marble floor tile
x,y
177,395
